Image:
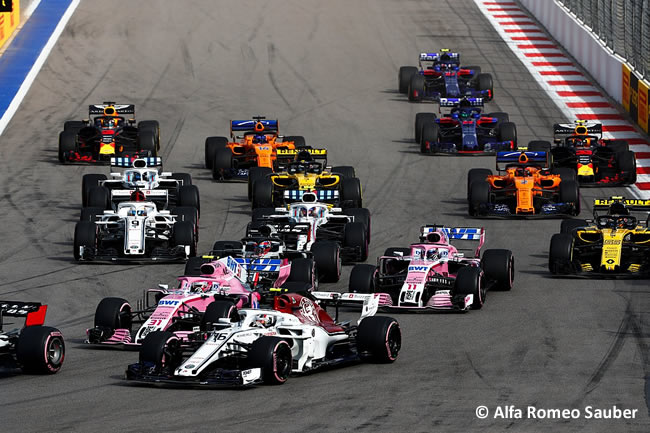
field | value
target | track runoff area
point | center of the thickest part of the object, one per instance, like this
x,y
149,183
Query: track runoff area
x,y
556,72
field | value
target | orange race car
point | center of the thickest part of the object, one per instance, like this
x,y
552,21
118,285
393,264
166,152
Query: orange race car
x,y
524,187
254,145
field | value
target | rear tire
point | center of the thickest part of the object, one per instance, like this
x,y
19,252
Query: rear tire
x,y
263,194
476,175
188,196
404,78
627,166
422,119
147,142
89,181
273,356
184,178
354,235
254,174
211,146
222,163
380,337
361,215
484,82
362,279
345,171
351,192
302,271
569,193
99,197
429,138
327,256
508,132
416,88
193,266
40,349
67,144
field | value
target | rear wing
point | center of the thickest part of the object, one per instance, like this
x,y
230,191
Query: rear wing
x,y
34,312
476,234
435,57
525,158
453,102
150,161
290,154
630,203
100,109
369,302
579,127
257,124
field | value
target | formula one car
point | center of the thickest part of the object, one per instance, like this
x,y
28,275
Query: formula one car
x,y
329,233
137,231
435,274
108,134
261,263
34,348
173,310
250,346
440,76
465,130
143,174
524,187
614,244
253,143
337,186
596,161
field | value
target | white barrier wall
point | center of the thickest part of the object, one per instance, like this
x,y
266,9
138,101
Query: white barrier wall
x,y
583,45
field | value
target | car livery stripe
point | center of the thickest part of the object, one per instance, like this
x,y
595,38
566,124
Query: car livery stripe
x,y
577,99
24,57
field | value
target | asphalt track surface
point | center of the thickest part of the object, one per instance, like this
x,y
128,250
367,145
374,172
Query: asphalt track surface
x,y
328,71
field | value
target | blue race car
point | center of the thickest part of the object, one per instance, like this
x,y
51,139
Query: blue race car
x,y
465,130
440,76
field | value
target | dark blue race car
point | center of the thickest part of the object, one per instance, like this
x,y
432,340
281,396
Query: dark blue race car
x,y
465,130
440,75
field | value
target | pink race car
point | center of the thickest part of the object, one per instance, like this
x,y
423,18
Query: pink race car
x,y
436,275
178,311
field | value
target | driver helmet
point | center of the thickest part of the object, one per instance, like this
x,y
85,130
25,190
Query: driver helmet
x,y
314,212
263,247
137,196
432,254
257,139
303,212
618,209
133,176
199,286
581,141
264,321
108,122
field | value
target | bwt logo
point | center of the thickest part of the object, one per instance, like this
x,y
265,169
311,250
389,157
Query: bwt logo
x,y
417,268
167,302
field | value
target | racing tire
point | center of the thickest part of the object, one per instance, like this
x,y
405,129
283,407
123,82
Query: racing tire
x,y
479,193
627,166
298,141
476,175
379,337
211,146
361,215
568,226
90,213
345,171
254,174
429,138
404,78
222,163
184,178
100,197
74,125
351,194
354,236
469,281
113,313
193,266
362,279
219,309
565,173
327,256
539,146
508,132
569,193
147,142
303,270
484,82
188,196
618,145
186,213
391,252
40,350
67,143
416,88
85,235
89,181
225,248
499,265
263,194
273,356
560,256
500,116
184,234
151,125
476,69
422,119
162,349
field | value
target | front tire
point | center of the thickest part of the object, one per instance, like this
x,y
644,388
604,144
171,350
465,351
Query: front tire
x,y
469,281
380,337
499,265
362,279
40,349
273,356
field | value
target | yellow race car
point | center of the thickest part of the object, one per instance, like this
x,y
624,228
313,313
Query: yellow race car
x,y
615,244
337,185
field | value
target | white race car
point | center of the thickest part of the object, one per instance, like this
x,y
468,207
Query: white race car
x,y
249,346
331,234
143,174
137,230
